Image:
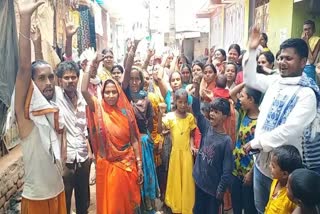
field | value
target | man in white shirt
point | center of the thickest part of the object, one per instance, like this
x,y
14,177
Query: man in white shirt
x,y
286,110
77,167
39,130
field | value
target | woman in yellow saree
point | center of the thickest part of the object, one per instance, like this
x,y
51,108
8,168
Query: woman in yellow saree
x,y
114,135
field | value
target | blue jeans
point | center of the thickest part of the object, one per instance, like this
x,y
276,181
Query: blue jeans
x,y
261,188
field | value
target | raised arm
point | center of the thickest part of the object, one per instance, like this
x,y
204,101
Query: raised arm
x,y
211,54
173,64
236,90
84,87
23,79
129,64
129,45
161,83
147,61
182,57
92,65
202,122
259,82
70,29
36,40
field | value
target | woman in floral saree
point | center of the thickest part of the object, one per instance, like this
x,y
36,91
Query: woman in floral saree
x,y
115,139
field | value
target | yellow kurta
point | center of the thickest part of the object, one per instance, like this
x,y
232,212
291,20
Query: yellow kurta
x,y
279,203
180,193
104,73
313,41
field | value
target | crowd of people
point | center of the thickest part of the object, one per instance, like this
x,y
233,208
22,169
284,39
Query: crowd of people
x,y
236,130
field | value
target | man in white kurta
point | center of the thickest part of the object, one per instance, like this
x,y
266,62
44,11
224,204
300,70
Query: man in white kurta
x,y
286,110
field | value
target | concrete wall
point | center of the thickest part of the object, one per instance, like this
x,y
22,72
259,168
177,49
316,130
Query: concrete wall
x,y
280,22
11,177
189,48
200,44
246,23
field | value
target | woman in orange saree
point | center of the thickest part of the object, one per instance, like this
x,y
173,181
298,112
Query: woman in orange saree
x,y
114,135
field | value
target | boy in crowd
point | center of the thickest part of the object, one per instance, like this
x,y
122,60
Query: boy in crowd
x,y
284,160
213,165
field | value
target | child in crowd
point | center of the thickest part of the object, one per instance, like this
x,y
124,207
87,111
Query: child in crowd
x,y
304,190
180,191
231,74
219,91
213,165
242,187
284,160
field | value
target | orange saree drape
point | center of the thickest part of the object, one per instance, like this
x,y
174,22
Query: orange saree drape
x,y
116,171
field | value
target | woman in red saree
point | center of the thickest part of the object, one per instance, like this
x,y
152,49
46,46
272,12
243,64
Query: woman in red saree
x,y
114,137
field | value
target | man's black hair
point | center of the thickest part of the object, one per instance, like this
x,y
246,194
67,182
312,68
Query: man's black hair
x,y
288,158
310,22
299,45
34,66
67,66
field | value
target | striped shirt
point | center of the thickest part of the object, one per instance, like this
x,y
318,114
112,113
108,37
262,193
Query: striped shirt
x,y
311,145
76,126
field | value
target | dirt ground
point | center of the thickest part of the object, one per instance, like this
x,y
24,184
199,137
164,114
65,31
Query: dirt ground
x,y
92,208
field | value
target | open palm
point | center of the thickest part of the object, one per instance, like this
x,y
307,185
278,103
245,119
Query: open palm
x,y
35,33
29,6
70,27
254,39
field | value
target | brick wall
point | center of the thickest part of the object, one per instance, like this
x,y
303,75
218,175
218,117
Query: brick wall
x,y
11,177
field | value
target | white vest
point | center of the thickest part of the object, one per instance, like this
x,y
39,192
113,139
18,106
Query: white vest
x,y
43,179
